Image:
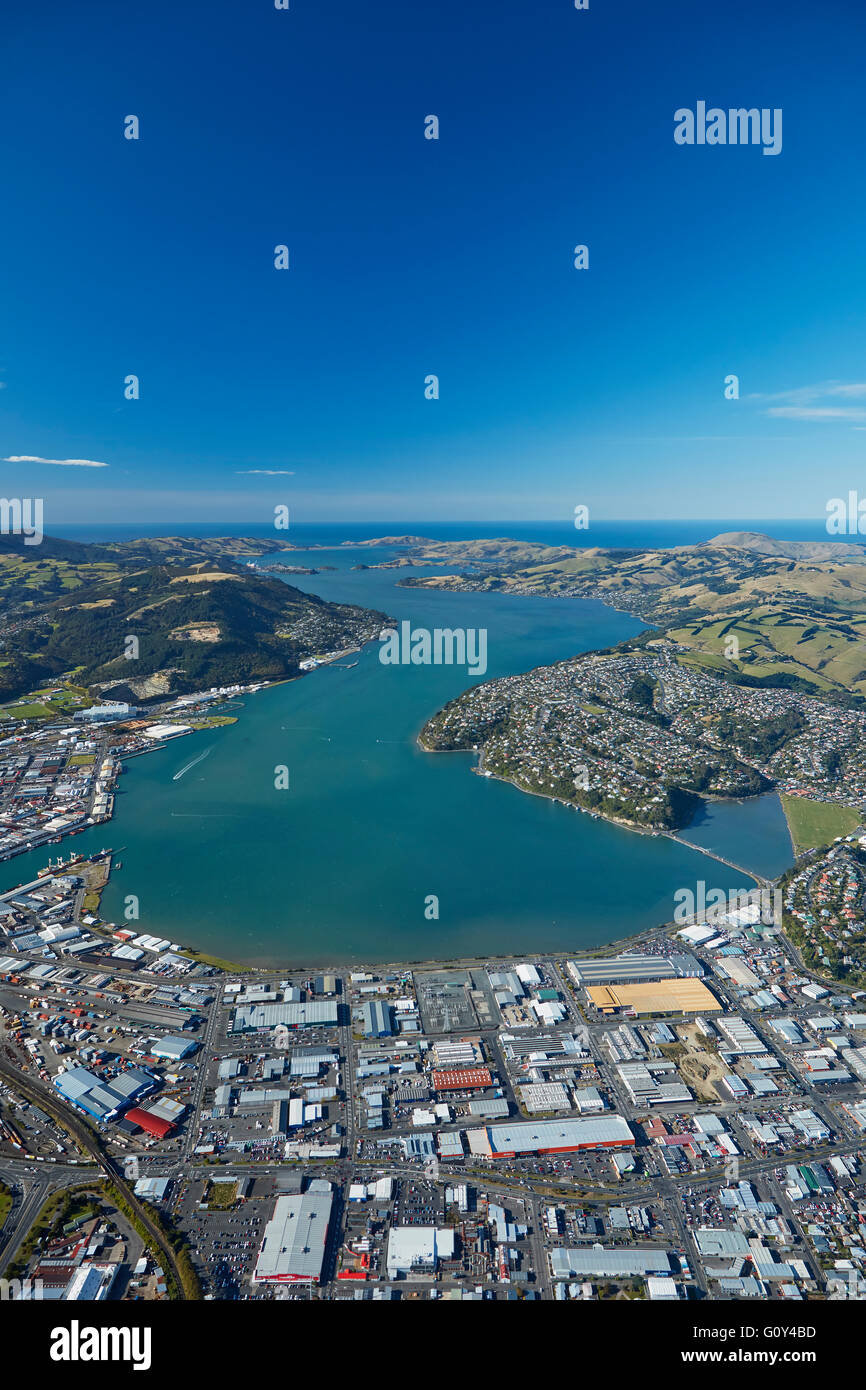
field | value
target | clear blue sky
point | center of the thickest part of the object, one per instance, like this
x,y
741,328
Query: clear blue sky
x,y
411,257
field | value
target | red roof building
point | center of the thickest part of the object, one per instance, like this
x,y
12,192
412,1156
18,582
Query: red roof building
x,y
462,1079
151,1123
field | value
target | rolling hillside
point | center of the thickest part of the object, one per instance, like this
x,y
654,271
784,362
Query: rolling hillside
x,y
797,609
209,622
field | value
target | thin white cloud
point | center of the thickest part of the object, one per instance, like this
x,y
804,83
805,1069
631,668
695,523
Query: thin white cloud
x,y
854,388
266,472
815,402
816,412
61,463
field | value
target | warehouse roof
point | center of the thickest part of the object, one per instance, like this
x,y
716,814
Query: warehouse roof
x,y
293,1247
462,1078
151,1124
620,969
313,1013
413,1247
661,997
173,1048
600,1263
101,1098
548,1136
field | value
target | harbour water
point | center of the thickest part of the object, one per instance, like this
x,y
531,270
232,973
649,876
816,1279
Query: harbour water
x,y
343,864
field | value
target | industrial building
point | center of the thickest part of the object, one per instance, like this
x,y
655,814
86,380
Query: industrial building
x,y
544,1096
634,970
102,1100
450,1144
649,1084
679,996
489,1109
589,1100
293,1247
416,1250
91,1283
114,710
550,1137
315,1013
309,1061
599,1263
159,1117
153,1189
151,1124
740,1036
378,1021
173,1049
462,1079
466,1052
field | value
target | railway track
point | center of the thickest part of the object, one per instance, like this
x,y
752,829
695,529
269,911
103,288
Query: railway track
x,y
89,1142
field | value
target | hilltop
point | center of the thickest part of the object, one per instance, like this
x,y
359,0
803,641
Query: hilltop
x,y
33,575
840,551
774,612
211,621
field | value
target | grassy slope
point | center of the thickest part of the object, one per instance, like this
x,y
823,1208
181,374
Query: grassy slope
x,y
796,613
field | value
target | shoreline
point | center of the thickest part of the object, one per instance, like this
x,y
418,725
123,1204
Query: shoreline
x,y
479,771
103,861
620,943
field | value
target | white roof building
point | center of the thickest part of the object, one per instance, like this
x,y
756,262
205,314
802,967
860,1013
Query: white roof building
x,y
417,1249
293,1247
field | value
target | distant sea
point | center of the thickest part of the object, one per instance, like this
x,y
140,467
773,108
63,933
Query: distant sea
x,y
603,533
343,866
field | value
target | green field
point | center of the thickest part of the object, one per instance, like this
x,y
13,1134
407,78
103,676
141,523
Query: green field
x,y
816,823
27,711
47,702
772,644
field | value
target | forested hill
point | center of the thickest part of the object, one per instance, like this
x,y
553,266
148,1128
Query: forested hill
x,y
210,622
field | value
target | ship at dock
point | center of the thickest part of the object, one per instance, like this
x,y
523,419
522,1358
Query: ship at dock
x,y
58,865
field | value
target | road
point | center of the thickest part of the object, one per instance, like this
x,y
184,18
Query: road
x,y
30,1191
89,1142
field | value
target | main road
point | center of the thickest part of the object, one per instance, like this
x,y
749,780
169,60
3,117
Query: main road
x,y
89,1142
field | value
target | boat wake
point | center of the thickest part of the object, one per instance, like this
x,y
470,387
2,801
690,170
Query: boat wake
x,y
186,767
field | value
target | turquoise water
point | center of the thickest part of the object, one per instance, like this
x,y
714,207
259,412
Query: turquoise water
x,y
339,866
753,832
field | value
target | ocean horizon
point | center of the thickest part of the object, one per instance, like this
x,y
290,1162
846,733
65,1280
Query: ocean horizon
x,y
607,534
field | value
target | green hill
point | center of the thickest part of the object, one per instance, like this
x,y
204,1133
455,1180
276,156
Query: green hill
x,y
797,609
206,623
